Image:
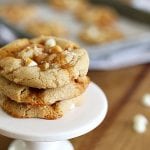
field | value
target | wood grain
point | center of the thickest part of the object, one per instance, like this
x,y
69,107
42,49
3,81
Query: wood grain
x,y
124,89
119,133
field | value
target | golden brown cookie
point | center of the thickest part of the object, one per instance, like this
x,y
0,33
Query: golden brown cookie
x,y
44,62
97,15
23,94
17,13
50,112
95,35
38,28
71,5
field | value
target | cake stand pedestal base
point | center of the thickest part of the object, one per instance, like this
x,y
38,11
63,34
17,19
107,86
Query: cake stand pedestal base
x,y
25,145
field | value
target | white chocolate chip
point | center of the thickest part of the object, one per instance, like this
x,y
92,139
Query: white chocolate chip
x,y
139,128
146,100
50,42
140,118
67,106
30,63
140,123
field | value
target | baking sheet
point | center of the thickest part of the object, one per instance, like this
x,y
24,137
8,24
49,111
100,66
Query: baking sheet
x,y
134,33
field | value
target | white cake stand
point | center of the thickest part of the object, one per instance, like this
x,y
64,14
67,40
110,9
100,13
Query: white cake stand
x,y
40,134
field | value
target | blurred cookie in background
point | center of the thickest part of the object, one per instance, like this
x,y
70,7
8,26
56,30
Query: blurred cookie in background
x,y
16,13
98,15
71,5
37,28
96,35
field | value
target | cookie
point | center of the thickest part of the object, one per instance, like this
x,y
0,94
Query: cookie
x,y
98,15
95,35
17,13
38,28
44,62
23,94
50,112
71,5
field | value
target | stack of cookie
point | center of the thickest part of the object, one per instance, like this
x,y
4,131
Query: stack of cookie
x,y
42,77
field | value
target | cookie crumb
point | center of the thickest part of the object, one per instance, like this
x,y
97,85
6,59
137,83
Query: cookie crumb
x,y
146,100
140,123
50,42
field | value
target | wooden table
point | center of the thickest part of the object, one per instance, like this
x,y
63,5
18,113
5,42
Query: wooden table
x,y
124,89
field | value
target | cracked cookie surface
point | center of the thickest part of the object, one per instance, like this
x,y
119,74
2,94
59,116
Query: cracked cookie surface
x,y
44,62
23,94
